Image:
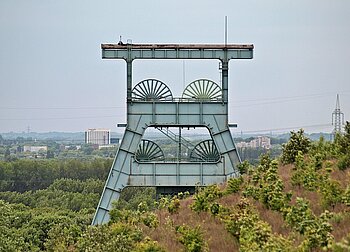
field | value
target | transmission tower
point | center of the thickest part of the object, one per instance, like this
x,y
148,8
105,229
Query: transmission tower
x,y
337,118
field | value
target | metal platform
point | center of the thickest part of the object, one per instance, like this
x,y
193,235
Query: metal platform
x,y
150,103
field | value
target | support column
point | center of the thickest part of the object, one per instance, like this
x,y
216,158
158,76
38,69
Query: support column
x,y
128,79
224,77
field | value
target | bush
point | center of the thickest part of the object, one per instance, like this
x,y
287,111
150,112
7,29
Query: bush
x,y
234,185
204,197
343,162
191,238
297,142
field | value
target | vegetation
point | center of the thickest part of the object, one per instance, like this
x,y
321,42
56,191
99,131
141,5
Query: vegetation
x,y
298,202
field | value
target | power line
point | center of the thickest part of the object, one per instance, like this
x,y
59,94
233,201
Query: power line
x,y
275,100
58,118
60,108
288,128
263,100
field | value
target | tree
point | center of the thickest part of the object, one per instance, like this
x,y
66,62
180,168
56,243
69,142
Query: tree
x,y
342,146
297,142
7,153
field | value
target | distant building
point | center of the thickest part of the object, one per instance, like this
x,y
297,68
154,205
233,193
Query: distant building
x,y
98,136
34,149
259,142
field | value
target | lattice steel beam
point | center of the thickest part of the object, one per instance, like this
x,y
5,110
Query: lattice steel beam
x,y
181,51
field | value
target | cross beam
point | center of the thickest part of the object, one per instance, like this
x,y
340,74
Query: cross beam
x,y
176,51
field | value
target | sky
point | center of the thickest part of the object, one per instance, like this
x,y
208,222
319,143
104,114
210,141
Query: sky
x,y
52,77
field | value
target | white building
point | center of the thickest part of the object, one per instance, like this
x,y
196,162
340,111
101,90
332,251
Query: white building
x,y
260,141
98,136
34,149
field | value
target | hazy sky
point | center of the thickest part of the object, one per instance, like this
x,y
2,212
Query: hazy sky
x,y
52,77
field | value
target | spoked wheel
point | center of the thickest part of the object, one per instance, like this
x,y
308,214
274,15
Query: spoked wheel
x,y
205,151
149,151
151,90
202,89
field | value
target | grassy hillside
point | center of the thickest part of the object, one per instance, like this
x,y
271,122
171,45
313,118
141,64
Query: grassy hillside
x,y
300,202
271,220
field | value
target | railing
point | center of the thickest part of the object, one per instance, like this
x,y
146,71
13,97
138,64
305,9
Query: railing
x,y
179,99
179,160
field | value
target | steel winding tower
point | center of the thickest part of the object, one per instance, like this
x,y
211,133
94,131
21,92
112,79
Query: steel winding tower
x,y
140,162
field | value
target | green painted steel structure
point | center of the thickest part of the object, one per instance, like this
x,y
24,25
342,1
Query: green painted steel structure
x,y
146,109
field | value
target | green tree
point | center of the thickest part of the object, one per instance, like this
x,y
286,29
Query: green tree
x,y
7,153
191,238
297,142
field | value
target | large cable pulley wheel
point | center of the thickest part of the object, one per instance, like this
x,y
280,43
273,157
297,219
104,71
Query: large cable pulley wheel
x,y
148,151
151,90
205,151
202,89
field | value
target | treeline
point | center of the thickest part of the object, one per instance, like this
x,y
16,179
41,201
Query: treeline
x,y
67,194
30,175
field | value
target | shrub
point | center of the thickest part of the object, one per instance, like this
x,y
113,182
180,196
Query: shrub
x,y
234,185
204,197
174,205
297,142
148,245
191,238
343,162
243,167
316,230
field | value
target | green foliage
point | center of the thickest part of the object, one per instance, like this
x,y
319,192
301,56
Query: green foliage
x,y
204,197
215,208
342,142
234,184
304,174
243,167
342,146
10,238
331,193
131,197
117,237
321,150
77,186
191,238
297,142
132,217
253,234
25,175
54,199
63,236
266,186
174,205
316,230
313,177
346,196
344,162
26,229
147,245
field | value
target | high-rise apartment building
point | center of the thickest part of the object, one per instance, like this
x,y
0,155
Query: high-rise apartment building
x,y
98,136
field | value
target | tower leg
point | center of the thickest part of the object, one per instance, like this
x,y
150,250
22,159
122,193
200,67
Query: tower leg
x,y
118,177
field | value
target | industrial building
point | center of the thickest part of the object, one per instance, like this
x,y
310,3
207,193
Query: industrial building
x,y
98,136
